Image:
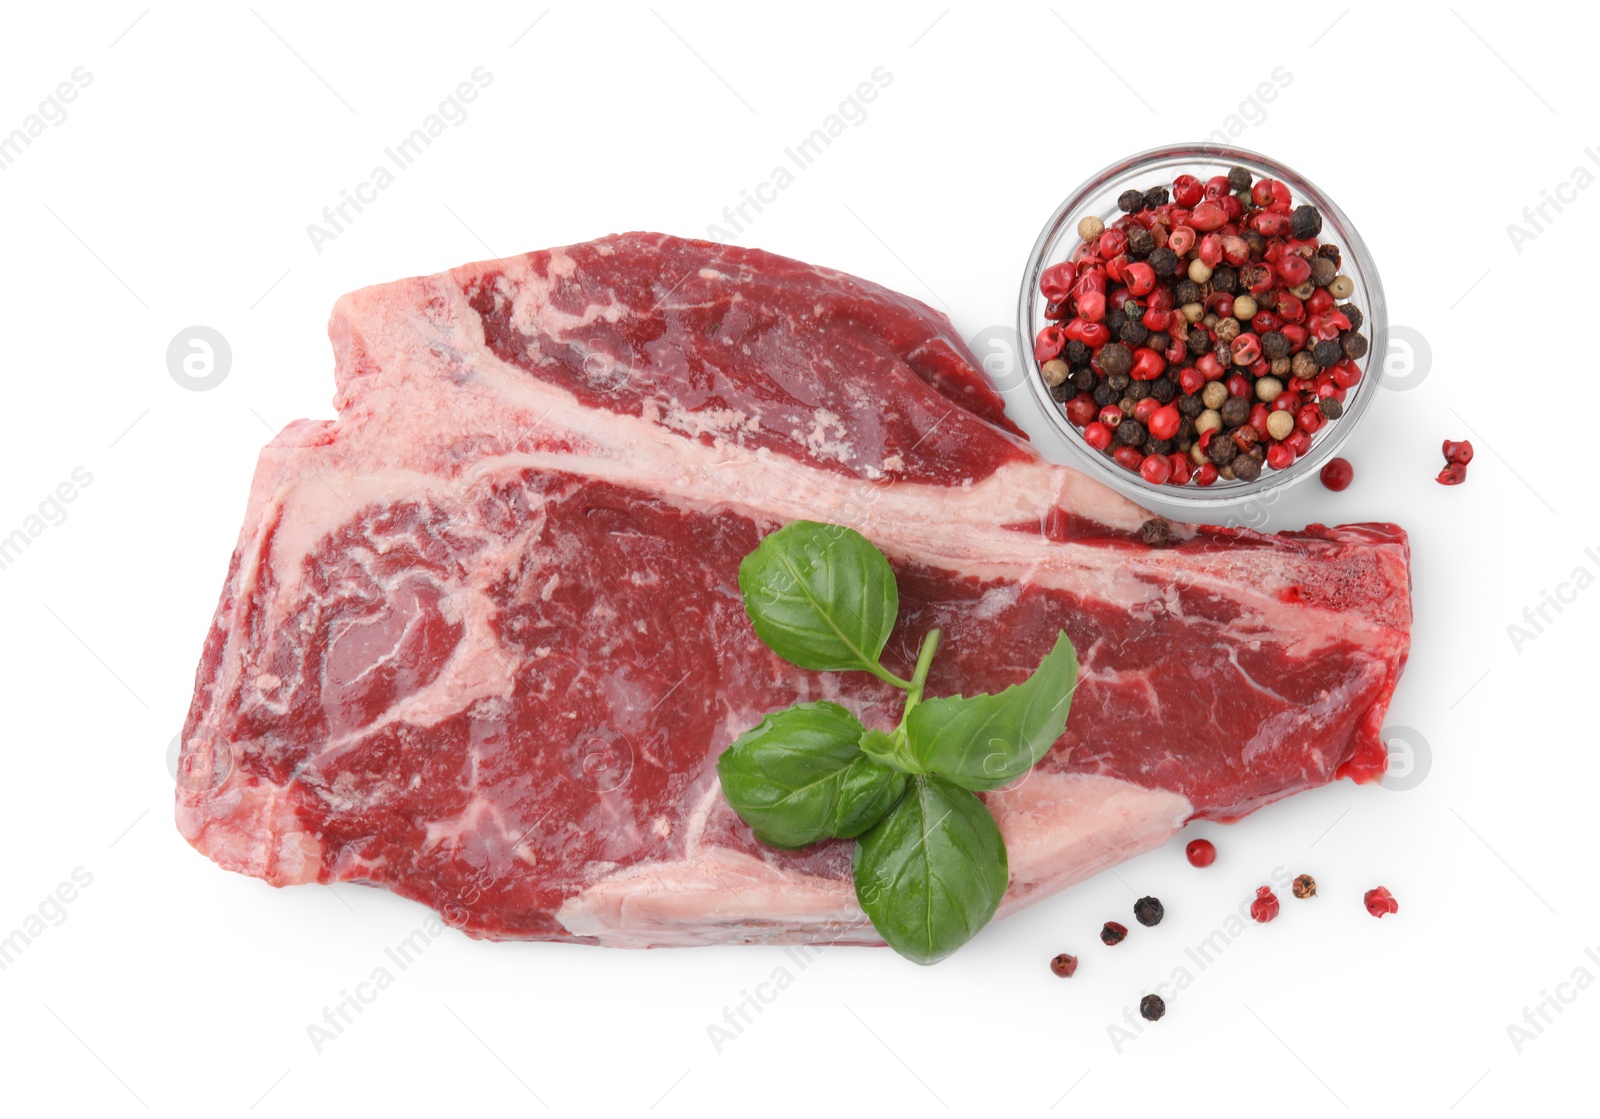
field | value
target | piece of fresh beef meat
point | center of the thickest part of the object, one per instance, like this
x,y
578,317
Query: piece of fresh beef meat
x,y
481,641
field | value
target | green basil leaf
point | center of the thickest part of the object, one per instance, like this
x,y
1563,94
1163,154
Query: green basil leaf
x,y
821,596
983,741
867,791
800,777
932,872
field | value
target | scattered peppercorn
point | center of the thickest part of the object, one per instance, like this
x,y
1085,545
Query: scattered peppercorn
x,y
1265,907
1201,852
1064,965
1458,451
1113,933
1246,469
1305,886
1149,912
1155,532
1452,475
1337,474
1380,902
1152,1007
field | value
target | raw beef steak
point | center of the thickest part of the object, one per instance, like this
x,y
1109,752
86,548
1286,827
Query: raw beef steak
x,y
481,641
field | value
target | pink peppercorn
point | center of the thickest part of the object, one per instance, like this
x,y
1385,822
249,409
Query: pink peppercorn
x,y
1380,902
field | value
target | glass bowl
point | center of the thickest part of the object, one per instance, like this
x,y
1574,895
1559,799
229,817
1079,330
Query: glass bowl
x,y
1056,436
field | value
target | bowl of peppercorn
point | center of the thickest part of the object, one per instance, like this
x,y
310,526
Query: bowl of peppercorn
x,y
1201,319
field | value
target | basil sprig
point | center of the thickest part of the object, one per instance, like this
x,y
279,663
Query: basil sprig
x,y
929,864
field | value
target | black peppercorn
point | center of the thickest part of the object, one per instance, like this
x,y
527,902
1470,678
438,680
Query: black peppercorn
x,y
1140,243
1323,271
1164,262
1130,200
1131,433
1256,243
1235,411
1118,381
1330,251
1152,1007
1156,196
1063,392
1305,222
1246,469
1353,313
1330,408
1163,389
1137,390
1186,430
1149,911
1113,933
1199,342
1186,291
1190,405
1156,533
1158,340
1327,353
1225,280
1115,358
1223,353
1114,320
1104,394
1274,344
1354,345
1221,450
1238,179
1076,353
1082,379
1154,446
1133,333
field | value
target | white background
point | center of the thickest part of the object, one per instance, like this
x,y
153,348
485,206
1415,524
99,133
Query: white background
x,y
177,192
